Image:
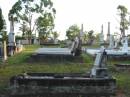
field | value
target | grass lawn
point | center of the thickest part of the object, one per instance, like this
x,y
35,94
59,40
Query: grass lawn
x,y
18,64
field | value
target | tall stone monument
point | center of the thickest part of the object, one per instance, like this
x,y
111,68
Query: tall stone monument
x,y
11,38
108,33
110,38
101,36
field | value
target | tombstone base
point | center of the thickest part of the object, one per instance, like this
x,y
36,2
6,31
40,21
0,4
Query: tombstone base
x,y
11,50
55,58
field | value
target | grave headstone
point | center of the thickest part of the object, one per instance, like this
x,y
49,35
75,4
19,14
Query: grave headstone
x,y
125,44
19,46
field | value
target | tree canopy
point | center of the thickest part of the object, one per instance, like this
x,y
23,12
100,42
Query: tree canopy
x,y
72,32
45,24
2,25
123,12
27,12
1,20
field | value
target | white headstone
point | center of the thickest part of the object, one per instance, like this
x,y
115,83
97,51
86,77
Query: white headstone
x,y
125,44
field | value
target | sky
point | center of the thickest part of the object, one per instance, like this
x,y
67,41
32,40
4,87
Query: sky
x,y
91,13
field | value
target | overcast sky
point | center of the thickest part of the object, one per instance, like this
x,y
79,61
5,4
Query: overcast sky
x,y
92,13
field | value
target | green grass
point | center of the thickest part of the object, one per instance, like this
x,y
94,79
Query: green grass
x,y
14,65
123,82
92,46
20,58
18,64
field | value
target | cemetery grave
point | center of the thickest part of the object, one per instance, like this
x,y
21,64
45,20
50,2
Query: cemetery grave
x,y
97,83
17,64
39,71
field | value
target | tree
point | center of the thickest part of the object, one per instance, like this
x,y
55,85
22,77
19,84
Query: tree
x,y
2,26
24,29
91,37
123,12
72,32
1,20
3,34
45,25
28,11
97,37
85,37
55,35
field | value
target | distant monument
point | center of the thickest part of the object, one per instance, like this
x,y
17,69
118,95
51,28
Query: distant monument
x,y
108,33
81,32
101,37
110,38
